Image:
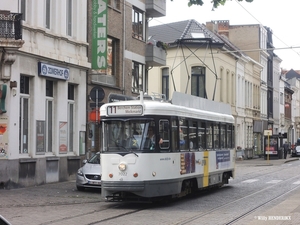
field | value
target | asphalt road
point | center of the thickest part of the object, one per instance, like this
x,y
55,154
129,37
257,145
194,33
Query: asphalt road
x,y
263,192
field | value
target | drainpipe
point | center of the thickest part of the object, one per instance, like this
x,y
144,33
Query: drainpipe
x,y
124,41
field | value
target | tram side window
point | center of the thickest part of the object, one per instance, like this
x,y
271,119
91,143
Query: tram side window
x,y
202,136
223,135
183,135
164,133
193,135
209,135
174,136
230,139
216,135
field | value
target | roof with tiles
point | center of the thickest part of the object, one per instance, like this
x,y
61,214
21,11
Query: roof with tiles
x,y
292,73
183,30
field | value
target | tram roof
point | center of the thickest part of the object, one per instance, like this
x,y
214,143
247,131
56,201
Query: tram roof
x,y
182,105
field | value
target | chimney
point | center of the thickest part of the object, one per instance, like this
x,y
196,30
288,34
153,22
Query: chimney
x,y
219,26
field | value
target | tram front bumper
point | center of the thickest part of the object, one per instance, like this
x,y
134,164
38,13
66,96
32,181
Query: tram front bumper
x,y
116,186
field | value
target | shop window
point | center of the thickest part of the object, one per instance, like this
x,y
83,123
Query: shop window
x,y
71,116
49,115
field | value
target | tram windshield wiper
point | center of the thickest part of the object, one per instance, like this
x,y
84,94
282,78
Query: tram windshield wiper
x,y
133,153
128,150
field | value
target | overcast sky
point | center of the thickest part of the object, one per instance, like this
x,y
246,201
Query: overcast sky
x,y
281,16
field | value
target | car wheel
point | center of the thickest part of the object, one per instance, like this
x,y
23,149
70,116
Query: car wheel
x,y
80,188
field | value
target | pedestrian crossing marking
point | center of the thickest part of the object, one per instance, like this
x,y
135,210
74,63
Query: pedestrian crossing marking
x,y
287,164
250,181
273,181
269,182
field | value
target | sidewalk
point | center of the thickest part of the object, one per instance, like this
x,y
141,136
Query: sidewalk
x,y
256,161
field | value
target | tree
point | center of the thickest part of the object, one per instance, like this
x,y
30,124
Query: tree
x,y
216,3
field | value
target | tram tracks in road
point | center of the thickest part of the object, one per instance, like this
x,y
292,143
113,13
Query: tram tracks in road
x,y
114,212
220,210
251,175
107,212
90,214
236,220
117,211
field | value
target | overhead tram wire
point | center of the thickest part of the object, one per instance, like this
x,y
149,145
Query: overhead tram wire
x,y
248,50
182,43
258,49
208,44
292,48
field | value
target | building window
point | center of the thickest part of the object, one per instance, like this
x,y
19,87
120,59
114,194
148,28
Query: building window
x,y
198,81
137,24
49,115
112,46
137,77
71,92
47,14
69,15
111,56
281,98
71,113
24,115
115,4
23,9
165,82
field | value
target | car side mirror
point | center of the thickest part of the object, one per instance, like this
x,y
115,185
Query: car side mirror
x,y
84,161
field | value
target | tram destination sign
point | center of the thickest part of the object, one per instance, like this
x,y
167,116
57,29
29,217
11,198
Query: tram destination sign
x,y
125,110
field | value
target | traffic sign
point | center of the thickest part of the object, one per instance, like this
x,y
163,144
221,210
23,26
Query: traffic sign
x,y
97,94
268,132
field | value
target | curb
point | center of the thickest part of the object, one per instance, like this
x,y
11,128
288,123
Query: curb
x,y
290,160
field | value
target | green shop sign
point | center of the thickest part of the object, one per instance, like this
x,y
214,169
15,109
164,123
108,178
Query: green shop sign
x,y
99,35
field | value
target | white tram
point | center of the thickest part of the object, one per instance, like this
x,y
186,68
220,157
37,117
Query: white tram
x,y
193,147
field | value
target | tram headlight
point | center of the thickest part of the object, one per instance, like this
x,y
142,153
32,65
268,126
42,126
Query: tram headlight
x,y
122,166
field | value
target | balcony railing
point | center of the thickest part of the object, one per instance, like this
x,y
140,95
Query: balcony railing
x,y
155,56
10,25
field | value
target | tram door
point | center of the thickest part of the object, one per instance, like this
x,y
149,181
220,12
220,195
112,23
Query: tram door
x,y
271,147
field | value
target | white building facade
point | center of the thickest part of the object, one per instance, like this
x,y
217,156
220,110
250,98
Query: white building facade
x,y
45,103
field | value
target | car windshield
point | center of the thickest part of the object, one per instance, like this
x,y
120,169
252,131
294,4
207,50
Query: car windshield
x,y
129,135
95,159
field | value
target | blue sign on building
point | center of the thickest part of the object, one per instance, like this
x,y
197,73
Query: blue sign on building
x,y
57,72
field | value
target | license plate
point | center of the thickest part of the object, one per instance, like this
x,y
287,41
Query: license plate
x,y
94,182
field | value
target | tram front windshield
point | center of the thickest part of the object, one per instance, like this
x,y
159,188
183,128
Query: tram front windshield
x,y
129,135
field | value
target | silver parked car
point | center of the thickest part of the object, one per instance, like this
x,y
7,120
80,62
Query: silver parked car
x,y
89,176
296,151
